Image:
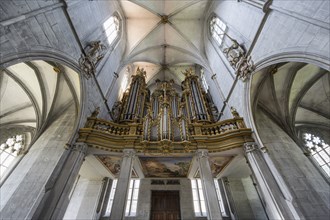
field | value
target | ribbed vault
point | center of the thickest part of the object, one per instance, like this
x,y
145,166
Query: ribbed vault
x,y
295,95
33,94
164,37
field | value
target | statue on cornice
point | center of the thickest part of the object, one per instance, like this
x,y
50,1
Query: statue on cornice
x,y
234,112
116,110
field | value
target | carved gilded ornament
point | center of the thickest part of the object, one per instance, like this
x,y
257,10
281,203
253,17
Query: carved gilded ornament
x,y
167,123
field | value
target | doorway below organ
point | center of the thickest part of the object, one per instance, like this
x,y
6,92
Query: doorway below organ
x,y
165,205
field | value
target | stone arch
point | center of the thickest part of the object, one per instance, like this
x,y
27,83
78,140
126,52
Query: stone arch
x,y
274,121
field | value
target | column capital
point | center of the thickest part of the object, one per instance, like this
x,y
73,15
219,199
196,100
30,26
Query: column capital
x,y
250,146
129,153
202,153
79,146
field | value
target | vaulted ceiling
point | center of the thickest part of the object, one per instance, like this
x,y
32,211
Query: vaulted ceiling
x,y
296,95
165,37
32,94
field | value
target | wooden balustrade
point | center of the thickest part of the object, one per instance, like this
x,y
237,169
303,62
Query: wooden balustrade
x,y
218,136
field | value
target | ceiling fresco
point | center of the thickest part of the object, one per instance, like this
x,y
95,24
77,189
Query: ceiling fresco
x,y
165,167
112,163
218,164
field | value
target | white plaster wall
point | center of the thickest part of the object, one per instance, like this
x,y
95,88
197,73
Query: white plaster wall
x,y
254,200
23,190
311,193
84,200
242,206
298,29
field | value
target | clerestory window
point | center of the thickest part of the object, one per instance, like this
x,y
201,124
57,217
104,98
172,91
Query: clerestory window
x,y
217,29
320,151
9,151
198,197
111,27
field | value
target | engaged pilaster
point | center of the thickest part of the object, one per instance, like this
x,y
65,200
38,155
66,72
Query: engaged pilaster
x,y
278,200
210,194
119,202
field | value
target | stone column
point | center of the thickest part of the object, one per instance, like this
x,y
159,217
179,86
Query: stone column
x,y
119,201
210,194
55,201
103,199
277,198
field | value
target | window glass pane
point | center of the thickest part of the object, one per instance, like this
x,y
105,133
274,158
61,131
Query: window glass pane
x,y
198,198
326,169
129,194
196,207
128,205
193,184
201,195
135,194
8,160
132,198
111,27
199,184
195,196
203,207
134,207
9,151
137,184
3,156
325,156
318,159
2,170
110,201
319,150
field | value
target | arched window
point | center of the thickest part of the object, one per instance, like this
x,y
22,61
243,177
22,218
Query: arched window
x,y
320,151
217,29
111,27
9,151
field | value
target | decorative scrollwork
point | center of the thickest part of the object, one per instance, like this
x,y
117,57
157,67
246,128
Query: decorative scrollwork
x,y
128,153
250,146
239,60
94,52
202,154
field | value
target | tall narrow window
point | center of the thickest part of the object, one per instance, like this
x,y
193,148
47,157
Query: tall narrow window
x,y
217,29
320,151
132,199
9,151
198,197
112,195
217,188
111,27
